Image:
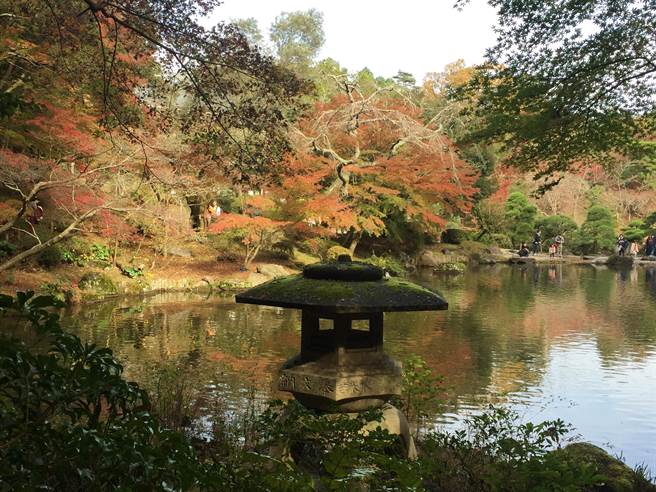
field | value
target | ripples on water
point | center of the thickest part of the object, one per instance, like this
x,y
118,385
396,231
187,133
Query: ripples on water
x,y
577,343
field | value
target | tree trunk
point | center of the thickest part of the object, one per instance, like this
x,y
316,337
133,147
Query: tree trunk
x,y
354,243
53,240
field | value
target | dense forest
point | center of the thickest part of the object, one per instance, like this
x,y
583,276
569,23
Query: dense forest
x,y
121,130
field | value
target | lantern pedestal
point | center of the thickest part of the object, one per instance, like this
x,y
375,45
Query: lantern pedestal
x,y
366,382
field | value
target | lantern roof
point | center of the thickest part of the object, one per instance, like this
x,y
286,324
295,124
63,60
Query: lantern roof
x,y
344,287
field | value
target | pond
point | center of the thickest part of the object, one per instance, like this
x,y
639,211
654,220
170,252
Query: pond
x,y
558,341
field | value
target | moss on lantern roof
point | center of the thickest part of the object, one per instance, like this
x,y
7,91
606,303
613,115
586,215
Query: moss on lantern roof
x,y
344,296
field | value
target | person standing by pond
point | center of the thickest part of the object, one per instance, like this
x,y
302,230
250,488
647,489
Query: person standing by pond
x,y
621,245
537,241
633,249
650,245
560,240
552,250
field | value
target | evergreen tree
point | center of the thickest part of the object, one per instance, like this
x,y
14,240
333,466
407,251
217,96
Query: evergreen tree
x,y
555,225
520,218
597,234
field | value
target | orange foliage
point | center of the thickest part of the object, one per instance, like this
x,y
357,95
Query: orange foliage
x,y
66,128
365,162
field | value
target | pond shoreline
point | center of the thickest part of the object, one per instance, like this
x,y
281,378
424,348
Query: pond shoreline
x,y
91,284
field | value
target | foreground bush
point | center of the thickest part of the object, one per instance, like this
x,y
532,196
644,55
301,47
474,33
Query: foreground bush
x,y
69,421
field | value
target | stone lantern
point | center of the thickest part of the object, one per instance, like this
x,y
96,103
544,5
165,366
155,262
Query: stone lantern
x,y
343,368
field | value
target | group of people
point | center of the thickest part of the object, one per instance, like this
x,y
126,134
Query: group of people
x,y
555,247
212,212
631,248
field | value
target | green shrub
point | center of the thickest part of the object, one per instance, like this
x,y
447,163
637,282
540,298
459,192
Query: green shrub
x,y
132,271
636,230
7,249
335,252
389,264
69,421
317,246
501,240
423,392
51,256
597,233
283,249
497,452
554,225
227,245
99,252
453,236
519,217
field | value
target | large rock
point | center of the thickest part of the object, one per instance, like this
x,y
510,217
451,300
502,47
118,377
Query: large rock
x,y
428,259
97,285
615,475
272,270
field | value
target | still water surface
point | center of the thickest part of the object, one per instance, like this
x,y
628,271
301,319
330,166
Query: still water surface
x,y
577,343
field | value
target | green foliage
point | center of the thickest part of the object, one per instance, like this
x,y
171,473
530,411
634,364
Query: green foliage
x,y
519,216
490,218
228,245
554,107
132,271
453,235
250,30
636,230
99,253
650,222
7,249
423,392
496,452
333,448
500,240
298,37
554,225
80,253
389,264
69,421
229,201
335,251
317,246
51,256
597,233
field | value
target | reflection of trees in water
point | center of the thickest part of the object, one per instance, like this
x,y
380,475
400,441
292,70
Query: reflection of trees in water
x,y
496,335
480,334
219,339
598,285
650,280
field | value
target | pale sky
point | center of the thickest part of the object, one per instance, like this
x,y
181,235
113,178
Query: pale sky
x,y
417,36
